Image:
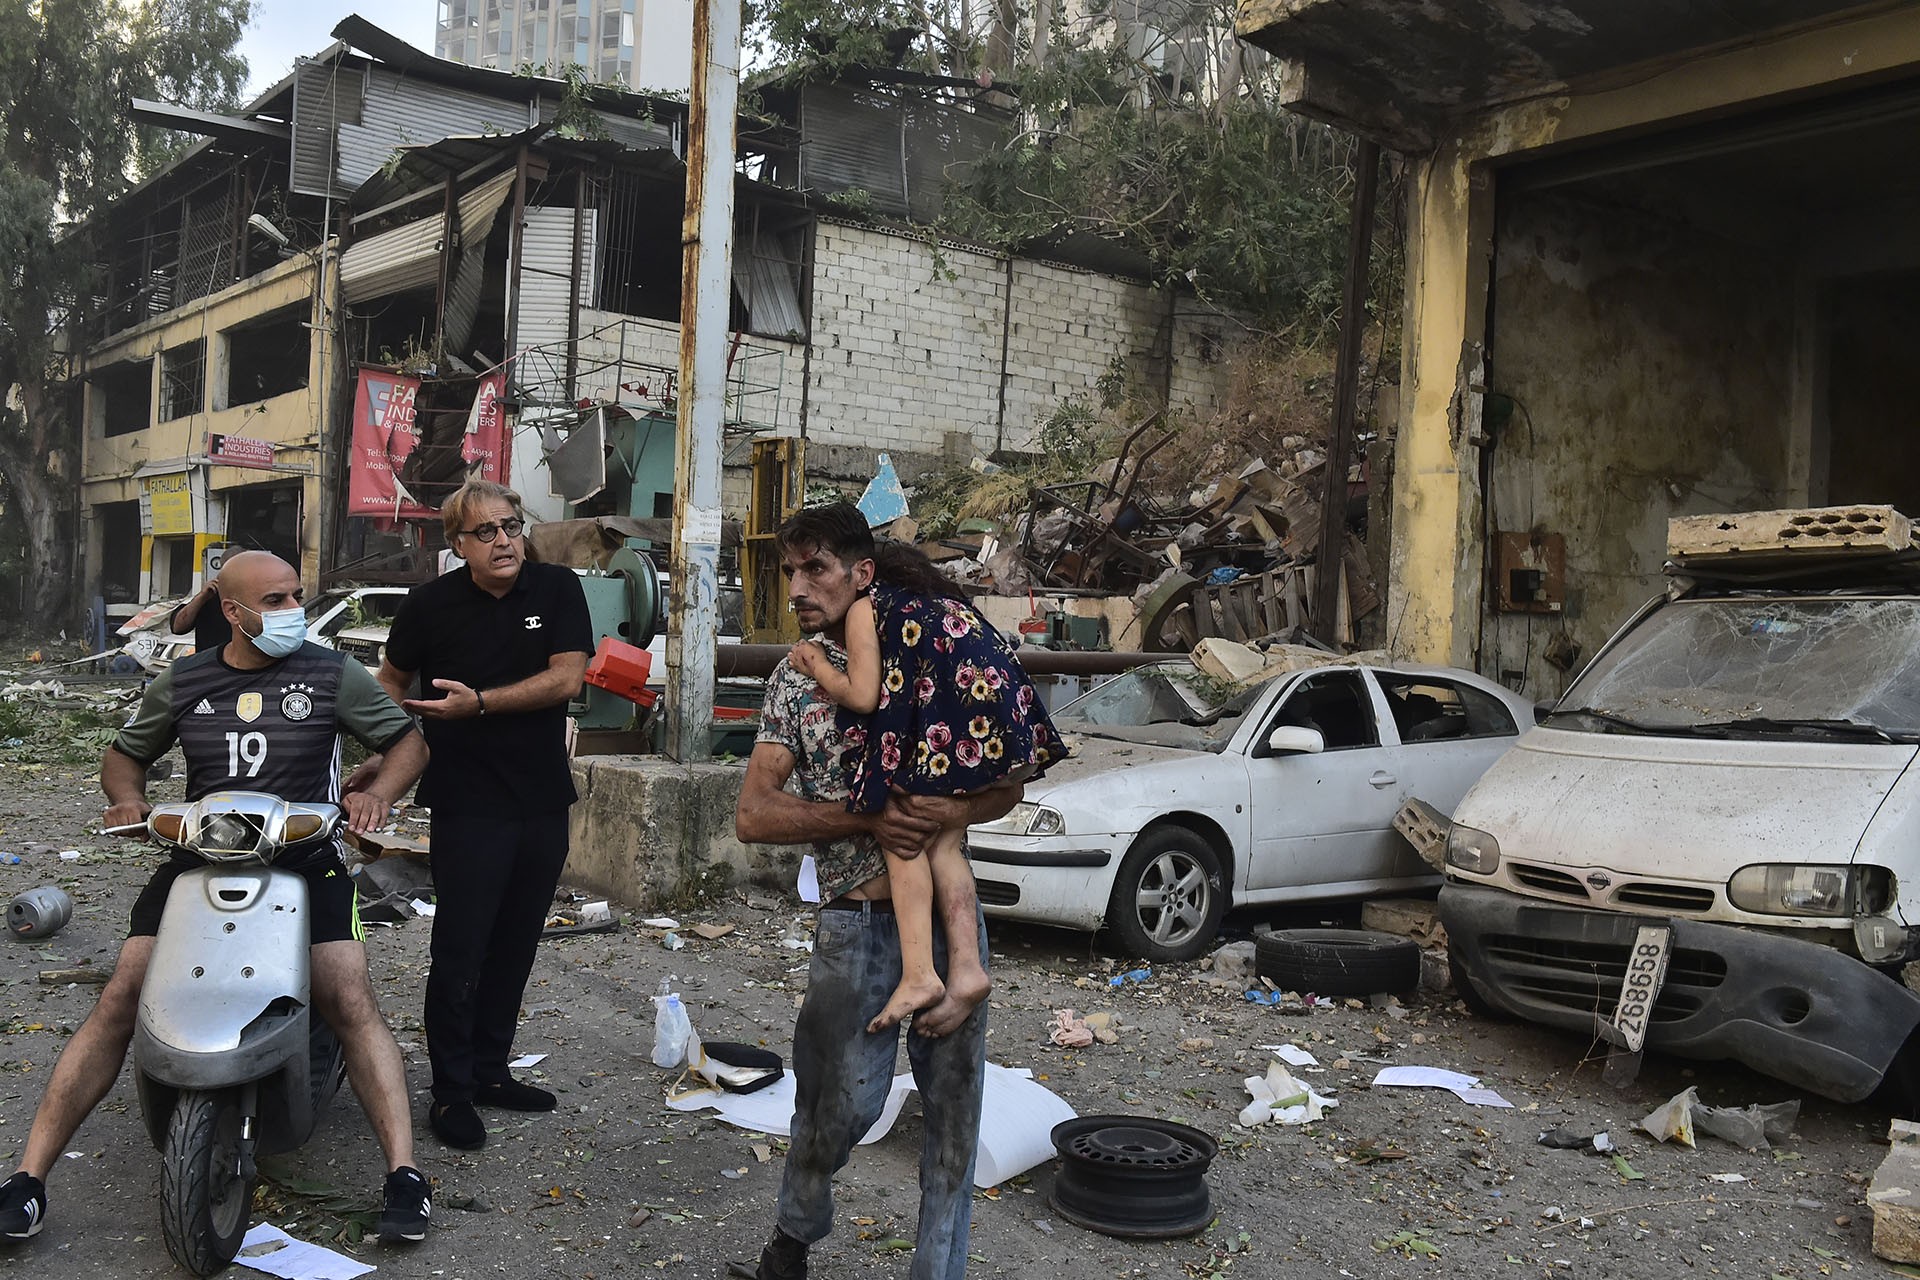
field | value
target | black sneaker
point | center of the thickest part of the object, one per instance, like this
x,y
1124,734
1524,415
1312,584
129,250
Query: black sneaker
x,y
406,1206
23,1207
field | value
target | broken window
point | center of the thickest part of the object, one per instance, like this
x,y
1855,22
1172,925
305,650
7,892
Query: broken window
x,y
1336,704
266,357
183,380
123,397
1427,709
1758,666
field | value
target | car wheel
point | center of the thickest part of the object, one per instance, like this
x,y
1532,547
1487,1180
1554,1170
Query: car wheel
x,y
1337,962
1168,896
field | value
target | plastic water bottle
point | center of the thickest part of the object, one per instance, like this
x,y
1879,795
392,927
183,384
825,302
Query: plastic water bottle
x,y
672,1028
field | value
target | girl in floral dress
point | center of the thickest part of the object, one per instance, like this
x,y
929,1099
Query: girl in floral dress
x,y
933,702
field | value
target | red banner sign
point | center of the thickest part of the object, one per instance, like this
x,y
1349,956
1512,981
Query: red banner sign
x,y
386,431
239,451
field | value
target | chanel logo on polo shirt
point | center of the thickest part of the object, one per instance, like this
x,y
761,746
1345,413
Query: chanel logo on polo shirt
x,y
533,623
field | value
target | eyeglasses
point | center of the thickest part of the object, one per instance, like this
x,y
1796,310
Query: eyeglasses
x,y
489,531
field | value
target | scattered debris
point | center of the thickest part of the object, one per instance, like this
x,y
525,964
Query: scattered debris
x,y
1277,1096
1069,1030
1425,828
1753,1127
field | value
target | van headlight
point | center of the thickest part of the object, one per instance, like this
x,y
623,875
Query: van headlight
x,y
1026,819
1471,849
1805,889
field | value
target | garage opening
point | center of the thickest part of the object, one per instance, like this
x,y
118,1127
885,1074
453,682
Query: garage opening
x,y
1715,318
266,517
119,551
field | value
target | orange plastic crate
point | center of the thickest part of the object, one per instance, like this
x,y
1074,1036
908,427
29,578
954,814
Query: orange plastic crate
x,y
621,669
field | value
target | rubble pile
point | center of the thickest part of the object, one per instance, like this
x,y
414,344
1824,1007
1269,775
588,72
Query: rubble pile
x,y
1235,560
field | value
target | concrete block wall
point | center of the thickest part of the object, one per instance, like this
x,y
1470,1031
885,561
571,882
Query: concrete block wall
x,y
901,353
907,342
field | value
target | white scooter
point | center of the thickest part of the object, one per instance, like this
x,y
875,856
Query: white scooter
x,y
229,1058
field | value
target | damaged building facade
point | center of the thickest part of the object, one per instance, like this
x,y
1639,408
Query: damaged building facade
x,y
391,271
1659,263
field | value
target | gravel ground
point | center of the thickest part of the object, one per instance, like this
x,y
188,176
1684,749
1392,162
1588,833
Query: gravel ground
x,y
1393,1182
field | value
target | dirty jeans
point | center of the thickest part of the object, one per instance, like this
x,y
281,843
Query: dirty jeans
x,y
842,1075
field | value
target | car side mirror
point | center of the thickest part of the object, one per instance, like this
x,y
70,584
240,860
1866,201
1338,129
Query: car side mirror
x,y
1293,739
1544,708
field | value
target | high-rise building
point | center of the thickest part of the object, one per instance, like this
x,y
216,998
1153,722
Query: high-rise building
x,y
643,44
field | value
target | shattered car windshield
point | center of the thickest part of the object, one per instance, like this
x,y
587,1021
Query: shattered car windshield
x,y
1755,666
1172,704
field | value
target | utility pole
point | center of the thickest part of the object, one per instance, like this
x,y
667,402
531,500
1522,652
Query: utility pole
x,y
706,279
1330,560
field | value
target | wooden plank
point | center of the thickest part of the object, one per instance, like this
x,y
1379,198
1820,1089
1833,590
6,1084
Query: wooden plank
x,y
1864,528
1272,606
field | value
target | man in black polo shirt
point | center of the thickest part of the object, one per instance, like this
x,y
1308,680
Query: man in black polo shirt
x,y
500,646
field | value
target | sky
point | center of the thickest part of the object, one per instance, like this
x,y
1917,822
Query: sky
x,y
283,30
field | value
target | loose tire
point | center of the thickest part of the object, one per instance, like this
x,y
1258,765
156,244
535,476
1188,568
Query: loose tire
x,y
1168,897
204,1198
1337,962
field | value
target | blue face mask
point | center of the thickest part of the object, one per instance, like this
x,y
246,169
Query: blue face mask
x,y
281,632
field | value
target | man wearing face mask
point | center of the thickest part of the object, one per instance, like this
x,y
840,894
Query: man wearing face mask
x,y
500,646
262,713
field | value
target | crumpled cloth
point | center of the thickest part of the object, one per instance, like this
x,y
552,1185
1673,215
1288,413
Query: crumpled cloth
x,y
1069,1030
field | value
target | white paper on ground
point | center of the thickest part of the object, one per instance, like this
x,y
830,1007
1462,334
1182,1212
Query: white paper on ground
x,y
297,1260
1480,1096
1465,1087
770,1110
528,1060
1016,1124
1292,1054
661,922
1016,1118
421,907
809,884
1425,1077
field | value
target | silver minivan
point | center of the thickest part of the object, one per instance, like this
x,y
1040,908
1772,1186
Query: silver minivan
x,y
1711,845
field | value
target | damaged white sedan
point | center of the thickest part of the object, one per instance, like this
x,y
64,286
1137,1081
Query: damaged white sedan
x,y
1186,795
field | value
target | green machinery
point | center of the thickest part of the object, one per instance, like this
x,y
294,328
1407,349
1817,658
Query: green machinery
x,y
624,602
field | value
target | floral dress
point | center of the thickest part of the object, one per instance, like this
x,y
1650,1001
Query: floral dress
x,y
957,713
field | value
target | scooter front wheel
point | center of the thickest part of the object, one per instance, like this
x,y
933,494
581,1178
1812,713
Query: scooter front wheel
x,y
204,1193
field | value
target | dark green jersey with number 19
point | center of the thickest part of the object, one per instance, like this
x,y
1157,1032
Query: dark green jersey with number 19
x,y
275,729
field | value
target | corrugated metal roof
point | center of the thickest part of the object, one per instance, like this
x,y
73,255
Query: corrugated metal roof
x,y
547,242
408,257
326,96
852,139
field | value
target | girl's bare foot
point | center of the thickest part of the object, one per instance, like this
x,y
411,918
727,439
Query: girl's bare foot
x,y
907,998
966,988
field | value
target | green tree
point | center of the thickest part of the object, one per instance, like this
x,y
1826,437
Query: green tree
x,y
67,71
1168,141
